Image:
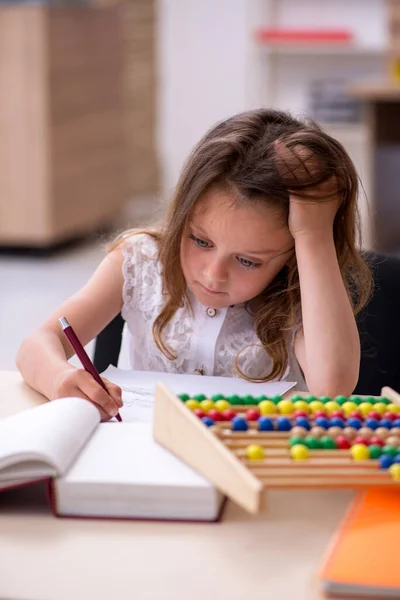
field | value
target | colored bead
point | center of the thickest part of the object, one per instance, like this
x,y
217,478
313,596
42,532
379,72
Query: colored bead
x,y
356,399
303,422
341,400
206,405
285,407
395,430
385,461
249,400
337,414
372,423
394,470
311,398
228,414
234,400
217,397
239,424
386,423
356,415
334,431
253,414
261,398
184,397
299,452
192,404
207,421
222,405
348,408
322,422
199,413
370,399
366,432
385,400
312,442
349,432
354,423
315,405
365,408
331,407
317,431
299,431
200,397
391,416
359,452
359,440
382,432
380,407
299,413
375,451
342,442
336,422
320,413
296,439
215,415
276,399
393,440
396,423
389,450
267,407
265,424
397,459
394,408
255,452
283,424
374,414
376,441
297,398
325,399
327,442
301,405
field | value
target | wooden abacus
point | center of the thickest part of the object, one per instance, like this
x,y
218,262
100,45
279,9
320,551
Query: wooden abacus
x,y
220,455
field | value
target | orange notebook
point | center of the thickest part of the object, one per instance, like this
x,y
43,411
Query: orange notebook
x,y
364,557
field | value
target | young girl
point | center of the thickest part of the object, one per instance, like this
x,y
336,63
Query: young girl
x,y
255,272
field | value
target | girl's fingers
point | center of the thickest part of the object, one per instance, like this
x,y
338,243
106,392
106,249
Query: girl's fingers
x,y
114,391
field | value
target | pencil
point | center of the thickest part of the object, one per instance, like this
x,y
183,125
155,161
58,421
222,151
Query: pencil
x,y
82,355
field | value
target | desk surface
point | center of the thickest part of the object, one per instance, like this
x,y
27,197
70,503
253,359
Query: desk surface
x,y
271,555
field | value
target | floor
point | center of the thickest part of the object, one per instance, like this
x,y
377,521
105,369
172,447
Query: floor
x,y
32,287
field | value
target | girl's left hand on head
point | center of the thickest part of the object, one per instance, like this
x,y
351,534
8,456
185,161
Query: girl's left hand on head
x,y
312,216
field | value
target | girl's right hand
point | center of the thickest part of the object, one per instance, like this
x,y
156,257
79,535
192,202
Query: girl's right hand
x,y
79,383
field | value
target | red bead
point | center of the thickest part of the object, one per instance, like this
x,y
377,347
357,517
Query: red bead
x,y
228,414
374,415
199,413
215,415
320,413
253,414
359,439
342,442
389,415
299,413
337,413
376,441
356,414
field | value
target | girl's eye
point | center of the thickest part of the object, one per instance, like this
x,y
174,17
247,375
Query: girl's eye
x,y
248,263
199,242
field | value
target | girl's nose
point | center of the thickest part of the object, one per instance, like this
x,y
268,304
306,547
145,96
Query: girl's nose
x,y
216,272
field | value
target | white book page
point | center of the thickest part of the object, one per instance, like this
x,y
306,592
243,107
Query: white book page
x,y
138,388
51,434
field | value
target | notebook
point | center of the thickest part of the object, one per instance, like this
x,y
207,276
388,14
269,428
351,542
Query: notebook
x,y
104,470
363,558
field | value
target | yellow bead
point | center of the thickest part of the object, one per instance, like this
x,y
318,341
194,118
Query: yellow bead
x,y
316,405
359,452
393,408
255,452
331,406
349,407
267,407
192,404
221,405
365,408
380,407
206,405
301,405
285,407
299,452
395,471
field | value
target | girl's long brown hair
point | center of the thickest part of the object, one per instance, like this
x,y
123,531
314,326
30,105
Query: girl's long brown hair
x,y
259,156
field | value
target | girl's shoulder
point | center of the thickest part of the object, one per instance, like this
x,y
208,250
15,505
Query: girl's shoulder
x,y
139,246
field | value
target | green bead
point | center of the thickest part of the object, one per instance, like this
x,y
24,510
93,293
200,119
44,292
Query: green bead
x,y
310,399
276,399
296,398
184,397
341,400
327,443
312,442
375,451
356,399
200,397
217,397
261,398
234,400
385,400
325,399
370,399
295,439
390,450
249,400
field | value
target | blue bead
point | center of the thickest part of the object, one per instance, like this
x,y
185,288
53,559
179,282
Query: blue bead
x,y
207,421
265,424
397,459
303,422
322,422
354,423
396,423
284,424
385,461
372,423
239,424
336,422
386,423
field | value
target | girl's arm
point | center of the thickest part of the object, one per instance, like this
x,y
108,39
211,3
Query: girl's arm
x,y
43,356
328,347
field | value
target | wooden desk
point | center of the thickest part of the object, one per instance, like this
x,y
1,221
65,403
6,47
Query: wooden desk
x,y
273,555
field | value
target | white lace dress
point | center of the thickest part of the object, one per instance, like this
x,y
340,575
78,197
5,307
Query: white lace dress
x,y
207,342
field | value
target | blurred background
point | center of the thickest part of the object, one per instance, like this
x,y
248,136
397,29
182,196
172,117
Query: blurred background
x,y
100,103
